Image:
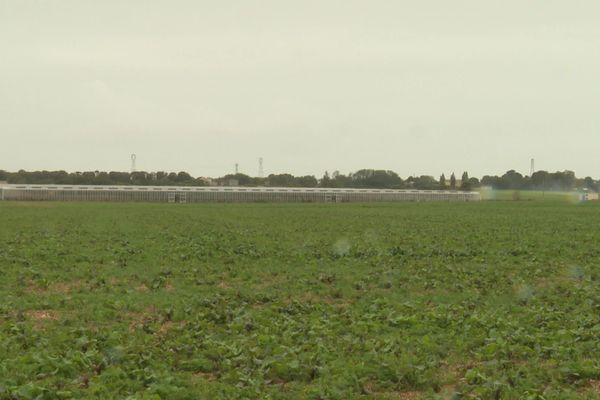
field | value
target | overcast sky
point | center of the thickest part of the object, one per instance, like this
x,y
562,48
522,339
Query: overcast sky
x,y
419,87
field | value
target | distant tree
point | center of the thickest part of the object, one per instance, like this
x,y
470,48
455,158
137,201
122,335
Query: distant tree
x,y
489,180
339,180
539,180
172,178
280,180
364,178
306,181
84,178
119,178
474,183
442,181
239,178
161,177
183,176
102,178
370,178
139,178
325,180
563,180
511,180
464,182
200,182
587,183
425,182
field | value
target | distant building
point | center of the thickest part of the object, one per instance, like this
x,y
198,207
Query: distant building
x,y
458,183
587,195
207,181
228,182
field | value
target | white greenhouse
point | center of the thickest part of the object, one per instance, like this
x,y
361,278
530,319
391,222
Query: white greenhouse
x,y
173,194
223,194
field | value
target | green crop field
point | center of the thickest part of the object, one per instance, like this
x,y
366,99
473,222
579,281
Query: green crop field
x,y
491,300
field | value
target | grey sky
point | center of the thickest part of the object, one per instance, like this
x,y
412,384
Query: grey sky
x,y
419,87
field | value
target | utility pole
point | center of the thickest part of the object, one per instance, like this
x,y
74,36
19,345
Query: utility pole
x,y
261,171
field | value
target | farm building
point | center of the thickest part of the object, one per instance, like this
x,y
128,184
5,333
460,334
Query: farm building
x,y
223,194
588,195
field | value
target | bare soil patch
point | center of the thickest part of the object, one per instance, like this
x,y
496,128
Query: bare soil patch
x,y
42,315
55,288
207,376
595,386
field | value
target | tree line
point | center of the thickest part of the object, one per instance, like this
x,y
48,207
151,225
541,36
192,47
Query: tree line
x,y
364,178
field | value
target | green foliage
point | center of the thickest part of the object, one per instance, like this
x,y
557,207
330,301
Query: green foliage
x,y
363,178
491,300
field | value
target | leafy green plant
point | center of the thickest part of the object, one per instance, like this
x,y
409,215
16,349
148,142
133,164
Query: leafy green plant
x,y
295,301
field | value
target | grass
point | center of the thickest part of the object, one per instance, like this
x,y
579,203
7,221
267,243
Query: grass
x,y
287,301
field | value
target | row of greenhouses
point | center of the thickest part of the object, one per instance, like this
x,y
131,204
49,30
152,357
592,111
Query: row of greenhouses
x,y
223,194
